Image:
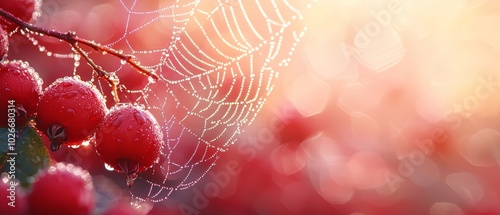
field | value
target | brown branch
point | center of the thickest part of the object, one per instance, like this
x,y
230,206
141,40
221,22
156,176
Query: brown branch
x,y
71,38
130,59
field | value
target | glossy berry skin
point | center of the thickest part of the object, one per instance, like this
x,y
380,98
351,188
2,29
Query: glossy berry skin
x,y
70,111
26,10
12,196
21,84
4,43
129,140
62,189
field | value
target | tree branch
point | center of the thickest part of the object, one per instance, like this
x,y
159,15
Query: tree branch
x,y
71,38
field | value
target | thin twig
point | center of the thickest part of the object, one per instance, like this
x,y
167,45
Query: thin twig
x,y
71,38
113,82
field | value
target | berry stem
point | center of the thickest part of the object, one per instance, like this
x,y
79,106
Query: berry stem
x,y
71,38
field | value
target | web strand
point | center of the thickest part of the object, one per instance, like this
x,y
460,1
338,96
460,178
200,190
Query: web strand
x,y
217,62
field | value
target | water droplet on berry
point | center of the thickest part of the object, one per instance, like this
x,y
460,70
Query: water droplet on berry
x,y
71,111
66,84
129,128
15,71
69,94
82,90
49,54
41,48
74,146
86,143
119,140
123,62
108,167
140,119
136,140
117,122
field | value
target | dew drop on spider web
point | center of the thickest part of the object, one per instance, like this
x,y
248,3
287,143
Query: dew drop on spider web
x,y
151,80
114,78
212,66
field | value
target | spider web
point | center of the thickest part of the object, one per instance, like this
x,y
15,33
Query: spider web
x,y
218,62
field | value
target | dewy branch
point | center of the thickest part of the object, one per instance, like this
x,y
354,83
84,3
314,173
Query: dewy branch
x,y
72,39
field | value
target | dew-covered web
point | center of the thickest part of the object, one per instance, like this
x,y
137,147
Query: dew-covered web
x,y
218,61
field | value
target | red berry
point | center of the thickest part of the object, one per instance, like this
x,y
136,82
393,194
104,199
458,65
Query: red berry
x,y
21,86
26,10
4,43
13,201
70,111
62,189
129,140
121,209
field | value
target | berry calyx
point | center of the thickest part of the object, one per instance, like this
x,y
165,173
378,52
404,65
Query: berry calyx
x,y
69,112
62,189
129,140
26,10
4,43
20,90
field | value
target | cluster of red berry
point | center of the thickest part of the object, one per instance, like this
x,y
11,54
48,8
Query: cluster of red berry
x,y
69,112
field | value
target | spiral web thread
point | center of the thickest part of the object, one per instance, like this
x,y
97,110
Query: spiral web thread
x,y
217,61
